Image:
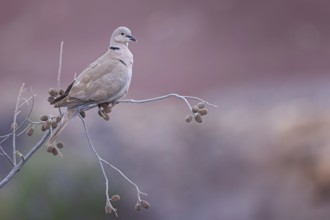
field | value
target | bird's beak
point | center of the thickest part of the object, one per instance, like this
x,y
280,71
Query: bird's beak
x,y
131,38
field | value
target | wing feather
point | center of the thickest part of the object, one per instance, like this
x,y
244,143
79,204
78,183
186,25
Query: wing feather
x,y
103,79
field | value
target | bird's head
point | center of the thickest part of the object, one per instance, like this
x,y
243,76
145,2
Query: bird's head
x,y
121,35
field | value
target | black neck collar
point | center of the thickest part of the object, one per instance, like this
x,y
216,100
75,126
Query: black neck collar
x,y
114,48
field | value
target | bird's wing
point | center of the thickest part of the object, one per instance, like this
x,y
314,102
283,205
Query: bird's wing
x,y
103,80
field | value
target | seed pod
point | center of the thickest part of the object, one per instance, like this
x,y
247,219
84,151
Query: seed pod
x,y
195,109
60,145
145,204
50,99
47,124
52,92
115,198
29,131
202,111
83,114
54,124
201,105
50,149
54,151
58,118
61,92
198,118
137,207
188,118
43,117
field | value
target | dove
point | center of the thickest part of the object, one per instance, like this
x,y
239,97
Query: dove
x,y
104,81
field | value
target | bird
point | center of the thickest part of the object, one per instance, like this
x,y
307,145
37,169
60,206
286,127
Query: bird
x,y
104,81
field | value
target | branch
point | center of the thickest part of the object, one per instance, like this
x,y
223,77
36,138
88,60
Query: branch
x,y
25,158
59,72
6,136
4,153
14,125
182,97
60,67
100,159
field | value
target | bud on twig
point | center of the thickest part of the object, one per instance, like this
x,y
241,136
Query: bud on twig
x,y
54,124
43,117
61,92
188,118
54,151
198,118
50,99
201,105
145,204
58,118
195,109
52,92
29,131
47,125
115,198
60,145
50,149
202,111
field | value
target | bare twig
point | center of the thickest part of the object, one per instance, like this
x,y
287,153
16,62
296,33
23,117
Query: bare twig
x,y
59,72
14,125
100,159
18,166
182,97
60,67
108,202
4,153
6,136
139,193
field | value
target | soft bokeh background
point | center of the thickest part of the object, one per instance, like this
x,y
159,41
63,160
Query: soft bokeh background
x,y
263,154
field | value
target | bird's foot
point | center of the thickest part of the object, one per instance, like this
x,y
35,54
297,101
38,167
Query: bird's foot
x,y
104,110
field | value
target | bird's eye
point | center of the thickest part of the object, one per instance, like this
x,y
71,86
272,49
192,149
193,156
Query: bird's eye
x,y
122,33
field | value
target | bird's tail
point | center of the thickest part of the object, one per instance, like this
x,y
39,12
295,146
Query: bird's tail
x,y
69,114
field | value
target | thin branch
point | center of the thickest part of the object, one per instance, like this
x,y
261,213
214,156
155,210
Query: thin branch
x,y
24,159
139,193
60,67
24,130
182,97
26,100
15,124
6,136
4,153
59,72
108,203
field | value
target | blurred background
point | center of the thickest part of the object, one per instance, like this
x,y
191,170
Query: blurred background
x,y
264,153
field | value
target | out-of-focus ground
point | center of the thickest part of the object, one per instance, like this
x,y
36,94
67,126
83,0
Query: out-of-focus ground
x,y
263,154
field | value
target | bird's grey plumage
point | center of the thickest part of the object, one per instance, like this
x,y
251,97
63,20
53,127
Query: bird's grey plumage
x,y
103,81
